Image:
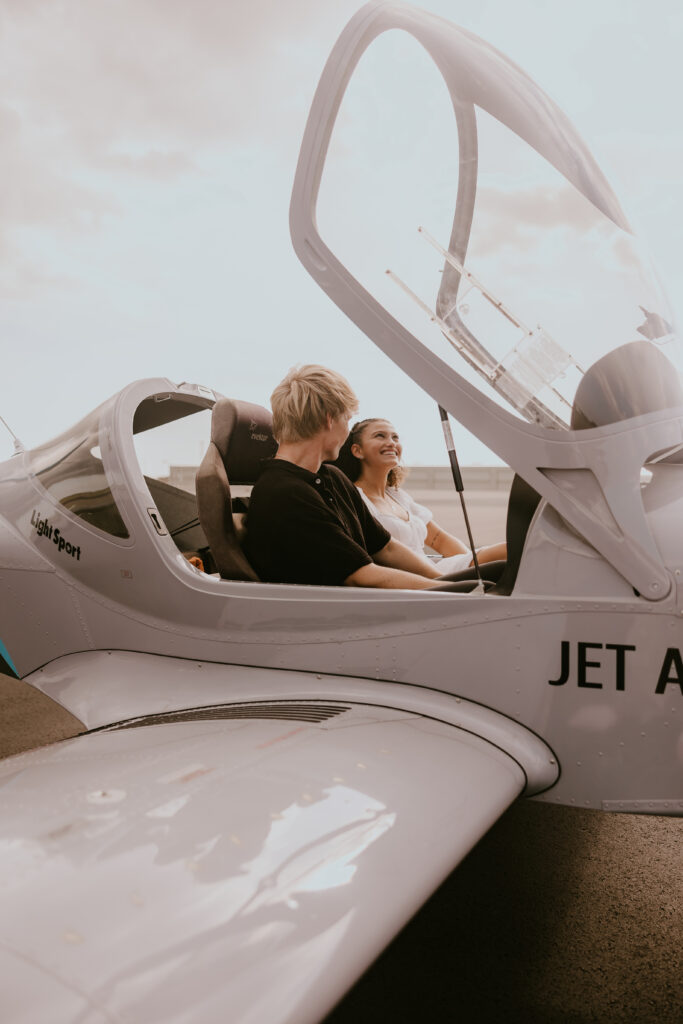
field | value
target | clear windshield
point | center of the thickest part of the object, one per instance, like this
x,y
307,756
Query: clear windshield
x,y
470,209
70,468
171,434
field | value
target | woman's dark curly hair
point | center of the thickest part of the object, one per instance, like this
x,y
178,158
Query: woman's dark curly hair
x,y
349,464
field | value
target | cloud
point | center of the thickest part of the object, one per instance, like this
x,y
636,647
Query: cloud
x,y
516,217
37,187
153,164
19,276
96,95
153,69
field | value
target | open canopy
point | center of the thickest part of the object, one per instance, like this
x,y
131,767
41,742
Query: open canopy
x,y
463,200
448,206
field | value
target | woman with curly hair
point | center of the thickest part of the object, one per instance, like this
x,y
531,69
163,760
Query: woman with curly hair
x,y
371,458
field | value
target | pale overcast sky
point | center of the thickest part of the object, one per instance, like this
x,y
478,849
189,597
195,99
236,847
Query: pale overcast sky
x,y
148,150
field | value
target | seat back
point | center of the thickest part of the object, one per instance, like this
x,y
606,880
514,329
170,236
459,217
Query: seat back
x,y
241,438
522,504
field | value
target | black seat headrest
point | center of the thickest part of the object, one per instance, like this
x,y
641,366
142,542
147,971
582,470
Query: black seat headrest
x,y
243,434
241,438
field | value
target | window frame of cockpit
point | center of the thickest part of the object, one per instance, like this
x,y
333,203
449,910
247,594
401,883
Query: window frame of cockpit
x,y
137,494
101,417
166,548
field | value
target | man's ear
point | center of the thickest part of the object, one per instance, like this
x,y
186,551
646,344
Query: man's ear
x,y
329,420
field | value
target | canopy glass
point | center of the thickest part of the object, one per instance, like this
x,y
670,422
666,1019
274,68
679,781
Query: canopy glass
x,y
463,200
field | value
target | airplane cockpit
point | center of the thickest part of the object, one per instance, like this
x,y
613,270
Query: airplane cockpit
x,y
87,471
128,469
110,488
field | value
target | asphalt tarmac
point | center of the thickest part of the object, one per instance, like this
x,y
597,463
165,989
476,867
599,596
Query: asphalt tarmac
x,y
558,916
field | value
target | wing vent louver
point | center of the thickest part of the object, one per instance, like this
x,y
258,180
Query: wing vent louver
x,y
309,712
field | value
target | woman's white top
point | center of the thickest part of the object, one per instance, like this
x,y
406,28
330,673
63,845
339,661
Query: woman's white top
x,y
413,531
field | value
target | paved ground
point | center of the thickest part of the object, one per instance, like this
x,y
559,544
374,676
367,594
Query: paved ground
x,y
559,916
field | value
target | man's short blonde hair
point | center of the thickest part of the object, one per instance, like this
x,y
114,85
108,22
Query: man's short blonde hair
x,y
303,400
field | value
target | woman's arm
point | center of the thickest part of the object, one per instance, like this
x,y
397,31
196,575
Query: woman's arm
x,y
446,544
442,542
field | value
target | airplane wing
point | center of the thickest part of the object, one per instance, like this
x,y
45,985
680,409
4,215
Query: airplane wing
x,y
241,865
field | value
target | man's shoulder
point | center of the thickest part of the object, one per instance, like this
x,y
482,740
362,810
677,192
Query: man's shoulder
x,y
283,484
278,477
274,473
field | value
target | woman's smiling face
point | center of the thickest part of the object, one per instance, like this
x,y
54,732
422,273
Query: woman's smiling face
x,y
379,445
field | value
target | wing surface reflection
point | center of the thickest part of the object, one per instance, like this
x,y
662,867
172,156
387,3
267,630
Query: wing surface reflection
x,y
168,872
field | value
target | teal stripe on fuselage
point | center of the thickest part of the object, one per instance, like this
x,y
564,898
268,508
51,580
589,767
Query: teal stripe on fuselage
x,y
4,653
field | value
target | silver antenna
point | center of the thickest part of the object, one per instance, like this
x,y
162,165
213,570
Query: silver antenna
x,y
18,446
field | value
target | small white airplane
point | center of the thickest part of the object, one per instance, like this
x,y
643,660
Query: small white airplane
x,y
270,780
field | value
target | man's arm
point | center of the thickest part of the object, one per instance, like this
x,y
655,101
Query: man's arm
x,y
396,568
387,578
396,555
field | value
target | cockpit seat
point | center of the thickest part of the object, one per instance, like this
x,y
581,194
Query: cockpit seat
x,y
241,438
522,505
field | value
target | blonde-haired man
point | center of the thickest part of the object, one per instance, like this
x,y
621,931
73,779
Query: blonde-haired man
x,y
307,522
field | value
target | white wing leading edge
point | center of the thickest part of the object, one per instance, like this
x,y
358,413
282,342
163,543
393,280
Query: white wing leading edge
x,y
224,865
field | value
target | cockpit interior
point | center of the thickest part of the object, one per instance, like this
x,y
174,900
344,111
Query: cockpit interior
x,y
203,512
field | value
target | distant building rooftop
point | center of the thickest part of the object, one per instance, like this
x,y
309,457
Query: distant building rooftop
x,y
475,478
419,479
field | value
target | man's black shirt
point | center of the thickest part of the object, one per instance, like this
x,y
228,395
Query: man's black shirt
x,y
307,527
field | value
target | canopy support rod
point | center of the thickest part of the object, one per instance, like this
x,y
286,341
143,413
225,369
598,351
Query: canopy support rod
x,y
460,487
